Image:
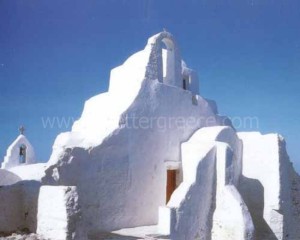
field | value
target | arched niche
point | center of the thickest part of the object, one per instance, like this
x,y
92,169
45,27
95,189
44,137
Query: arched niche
x,y
165,60
168,60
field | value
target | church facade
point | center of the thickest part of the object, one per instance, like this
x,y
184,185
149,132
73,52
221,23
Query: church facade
x,y
153,152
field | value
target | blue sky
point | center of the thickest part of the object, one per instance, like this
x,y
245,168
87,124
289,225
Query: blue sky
x,y
56,54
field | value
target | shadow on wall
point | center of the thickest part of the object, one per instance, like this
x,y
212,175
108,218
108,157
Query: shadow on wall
x,y
252,192
18,207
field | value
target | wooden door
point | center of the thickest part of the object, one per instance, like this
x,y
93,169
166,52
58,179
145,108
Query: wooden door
x,y
171,183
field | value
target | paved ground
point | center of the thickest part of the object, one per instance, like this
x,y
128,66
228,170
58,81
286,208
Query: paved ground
x,y
15,236
139,233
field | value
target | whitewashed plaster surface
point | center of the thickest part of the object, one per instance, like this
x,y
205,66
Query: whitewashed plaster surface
x,y
111,168
117,150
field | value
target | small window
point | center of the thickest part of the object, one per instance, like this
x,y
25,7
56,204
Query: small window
x,y
22,154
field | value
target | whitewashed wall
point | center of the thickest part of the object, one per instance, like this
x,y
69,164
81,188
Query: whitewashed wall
x,y
18,206
8,178
207,204
119,168
267,186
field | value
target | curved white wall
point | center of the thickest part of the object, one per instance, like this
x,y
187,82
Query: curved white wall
x,y
199,208
8,178
126,160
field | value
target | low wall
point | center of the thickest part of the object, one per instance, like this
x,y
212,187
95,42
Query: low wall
x,y
18,206
59,213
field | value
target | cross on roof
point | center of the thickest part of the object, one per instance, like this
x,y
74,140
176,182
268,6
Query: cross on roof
x,y
22,130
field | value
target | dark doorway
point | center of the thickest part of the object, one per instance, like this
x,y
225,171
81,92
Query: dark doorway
x,y
184,84
171,183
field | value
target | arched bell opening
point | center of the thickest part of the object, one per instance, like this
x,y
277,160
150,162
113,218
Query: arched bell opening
x,y
22,153
168,61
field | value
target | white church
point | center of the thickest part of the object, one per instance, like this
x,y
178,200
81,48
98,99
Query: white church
x,y
152,159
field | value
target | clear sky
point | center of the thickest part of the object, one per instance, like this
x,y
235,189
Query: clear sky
x,y
55,54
